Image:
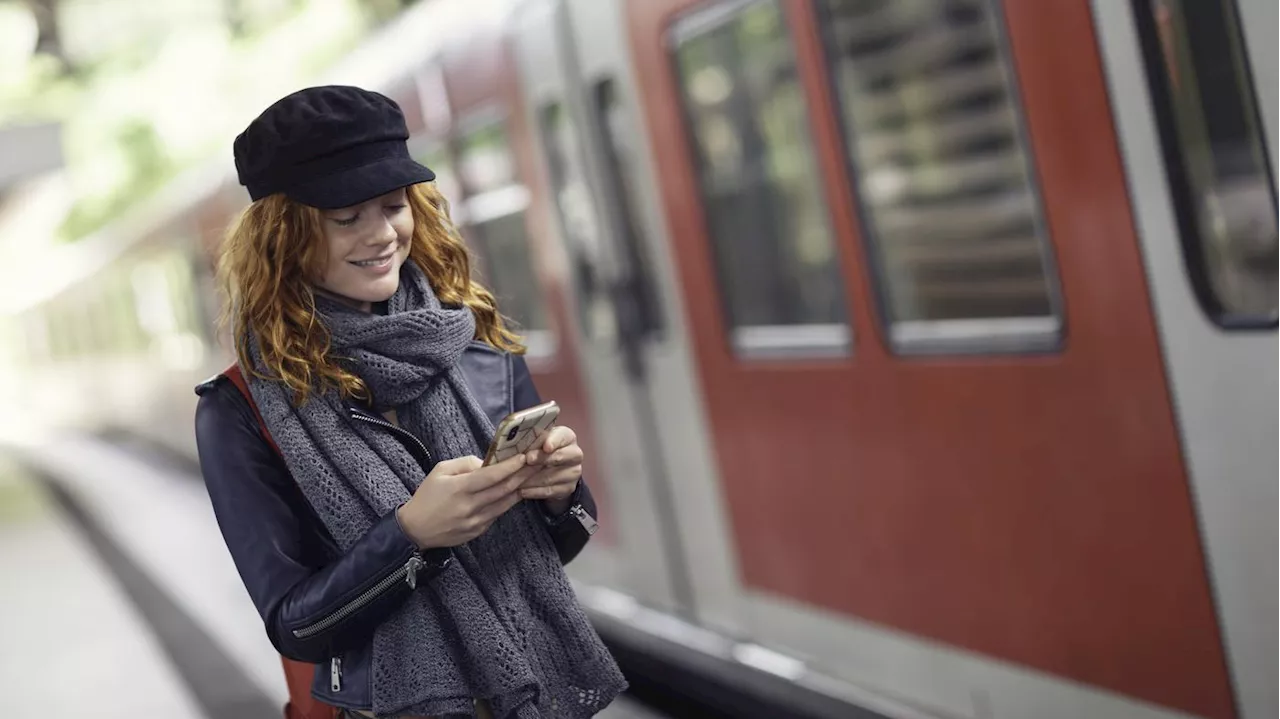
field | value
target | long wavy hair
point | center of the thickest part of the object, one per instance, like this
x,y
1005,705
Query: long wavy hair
x,y
275,252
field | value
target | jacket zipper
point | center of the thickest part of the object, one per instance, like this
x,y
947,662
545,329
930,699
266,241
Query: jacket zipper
x,y
588,522
335,674
357,414
408,573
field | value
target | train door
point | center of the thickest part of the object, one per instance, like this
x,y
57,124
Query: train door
x,y
921,324
577,84
1194,98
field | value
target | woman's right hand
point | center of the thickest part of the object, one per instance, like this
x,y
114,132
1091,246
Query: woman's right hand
x,y
460,499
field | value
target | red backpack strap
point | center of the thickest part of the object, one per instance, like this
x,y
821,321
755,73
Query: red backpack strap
x,y
234,374
301,704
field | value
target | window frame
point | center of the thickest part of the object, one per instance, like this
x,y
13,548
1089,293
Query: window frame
x,y
958,336
1177,178
799,342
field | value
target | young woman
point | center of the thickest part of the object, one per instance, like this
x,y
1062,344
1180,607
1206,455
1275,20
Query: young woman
x,y
373,542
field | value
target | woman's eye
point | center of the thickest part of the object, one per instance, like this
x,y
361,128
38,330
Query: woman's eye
x,y
396,208
346,221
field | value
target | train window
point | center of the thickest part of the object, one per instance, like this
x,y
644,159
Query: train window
x,y
509,268
182,290
73,329
77,327
945,187
99,324
1215,156
37,338
578,220
153,298
125,317
56,330
183,348
436,158
485,161
203,301
773,248
493,209
622,186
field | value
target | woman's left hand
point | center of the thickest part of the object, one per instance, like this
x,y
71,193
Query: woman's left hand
x,y
559,463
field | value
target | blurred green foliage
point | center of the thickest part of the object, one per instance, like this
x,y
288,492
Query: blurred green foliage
x,y
149,169
118,152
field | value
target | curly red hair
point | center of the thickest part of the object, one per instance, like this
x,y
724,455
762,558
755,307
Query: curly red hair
x,y
267,269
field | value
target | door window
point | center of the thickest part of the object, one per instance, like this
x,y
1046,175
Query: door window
x,y
943,176
771,239
1216,160
578,220
493,221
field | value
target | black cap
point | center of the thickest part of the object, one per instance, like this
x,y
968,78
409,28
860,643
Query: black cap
x,y
328,147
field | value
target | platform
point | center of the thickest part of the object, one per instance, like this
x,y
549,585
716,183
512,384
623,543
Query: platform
x,y
126,583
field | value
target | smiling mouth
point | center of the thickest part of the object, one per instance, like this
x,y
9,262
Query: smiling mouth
x,y
376,262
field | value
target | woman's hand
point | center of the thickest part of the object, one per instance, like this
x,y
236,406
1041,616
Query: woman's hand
x,y
558,466
460,499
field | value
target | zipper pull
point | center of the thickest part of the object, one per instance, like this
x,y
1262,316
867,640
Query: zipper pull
x,y
335,674
588,522
411,568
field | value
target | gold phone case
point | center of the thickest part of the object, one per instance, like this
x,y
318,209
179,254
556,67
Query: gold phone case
x,y
521,431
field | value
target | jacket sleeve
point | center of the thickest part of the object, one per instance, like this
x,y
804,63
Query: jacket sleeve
x,y
295,574
569,535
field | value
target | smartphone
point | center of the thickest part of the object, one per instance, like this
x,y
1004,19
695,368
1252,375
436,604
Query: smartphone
x,y
522,431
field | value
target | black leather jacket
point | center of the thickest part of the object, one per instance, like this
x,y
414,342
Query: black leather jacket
x,y
319,604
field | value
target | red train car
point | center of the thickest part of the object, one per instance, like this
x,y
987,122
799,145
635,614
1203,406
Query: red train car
x,y
925,350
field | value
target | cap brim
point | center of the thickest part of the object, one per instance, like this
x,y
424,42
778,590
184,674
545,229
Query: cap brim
x,y
360,184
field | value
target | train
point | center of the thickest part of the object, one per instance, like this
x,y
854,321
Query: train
x,y
924,350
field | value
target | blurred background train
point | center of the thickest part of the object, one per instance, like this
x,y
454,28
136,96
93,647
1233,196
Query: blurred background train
x,y
925,350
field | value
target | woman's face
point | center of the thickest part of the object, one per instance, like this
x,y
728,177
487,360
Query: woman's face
x,y
367,245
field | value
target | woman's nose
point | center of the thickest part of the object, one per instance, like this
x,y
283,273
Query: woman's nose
x,y
383,233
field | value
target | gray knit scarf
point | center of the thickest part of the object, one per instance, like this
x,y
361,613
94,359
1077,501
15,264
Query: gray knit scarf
x,y
501,622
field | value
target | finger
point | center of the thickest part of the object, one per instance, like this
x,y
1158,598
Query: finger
x,y
539,454
525,474
547,475
514,482
491,511
541,476
565,457
507,486
538,492
495,474
459,465
551,476
558,437
554,491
